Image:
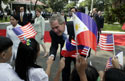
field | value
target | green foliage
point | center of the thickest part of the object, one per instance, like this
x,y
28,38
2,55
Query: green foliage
x,y
119,13
69,6
57,5
83,3
109,17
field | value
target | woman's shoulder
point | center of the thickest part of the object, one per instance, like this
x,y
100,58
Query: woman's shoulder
x,y
36,70
37,74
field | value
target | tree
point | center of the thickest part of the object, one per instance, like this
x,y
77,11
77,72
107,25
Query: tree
x,y
57,5
4,1
69,6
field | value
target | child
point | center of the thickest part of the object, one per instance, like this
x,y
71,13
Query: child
x,y
25,64
6,71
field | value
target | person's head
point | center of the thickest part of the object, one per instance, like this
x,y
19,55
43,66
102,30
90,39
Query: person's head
x,y
5,49
94,10
114,74
91,73
26,57
14,20
57,23
21,9
38,12
99,13
73,10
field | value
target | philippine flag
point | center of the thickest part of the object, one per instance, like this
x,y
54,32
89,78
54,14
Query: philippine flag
x,y
85,30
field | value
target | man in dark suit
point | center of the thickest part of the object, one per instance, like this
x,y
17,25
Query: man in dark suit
x,y
96,18
59,31
23,18
100,21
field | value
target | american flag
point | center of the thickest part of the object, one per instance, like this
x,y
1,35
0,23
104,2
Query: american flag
x,y
26,31
84,51
109,63
106,42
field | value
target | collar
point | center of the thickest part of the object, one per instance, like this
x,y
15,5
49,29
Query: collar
x,y
65,31
16,26
5,66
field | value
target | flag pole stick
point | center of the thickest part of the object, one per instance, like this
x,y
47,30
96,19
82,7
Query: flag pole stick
x,y
113,45
75,38
77,47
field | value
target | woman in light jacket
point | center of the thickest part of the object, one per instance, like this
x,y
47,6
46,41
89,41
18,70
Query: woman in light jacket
x,y
40,29
10,33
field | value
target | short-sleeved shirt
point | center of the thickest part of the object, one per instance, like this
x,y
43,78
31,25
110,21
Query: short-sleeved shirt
x,y
7,73
37,74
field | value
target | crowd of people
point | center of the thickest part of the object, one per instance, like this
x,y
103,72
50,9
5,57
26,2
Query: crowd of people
x,y
23,56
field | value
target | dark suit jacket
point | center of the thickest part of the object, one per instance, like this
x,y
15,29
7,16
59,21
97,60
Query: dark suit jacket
x,y
25,19
101,22
55,40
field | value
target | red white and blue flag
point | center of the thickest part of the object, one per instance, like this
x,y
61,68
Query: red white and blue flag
x,y
26,31
106,42
69,49
109,64
85,30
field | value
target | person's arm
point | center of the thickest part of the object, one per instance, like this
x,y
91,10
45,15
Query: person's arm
x,y
54,44
49,64
81,65
61,66
43,26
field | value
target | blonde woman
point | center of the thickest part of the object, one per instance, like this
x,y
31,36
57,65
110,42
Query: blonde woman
x,y
40,29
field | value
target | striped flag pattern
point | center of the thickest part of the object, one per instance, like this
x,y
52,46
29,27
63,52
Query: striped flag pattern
x,y
109,63
26,31
84,51
106,42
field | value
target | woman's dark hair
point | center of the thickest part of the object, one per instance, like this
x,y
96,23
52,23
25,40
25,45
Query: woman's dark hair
x,y
91,74
114,74
15,17
26,58
5,43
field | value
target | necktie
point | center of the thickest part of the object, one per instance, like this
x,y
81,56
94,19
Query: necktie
x,y
64,36
21,17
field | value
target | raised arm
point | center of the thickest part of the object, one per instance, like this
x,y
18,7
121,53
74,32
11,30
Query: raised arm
x,y
81,65
61,66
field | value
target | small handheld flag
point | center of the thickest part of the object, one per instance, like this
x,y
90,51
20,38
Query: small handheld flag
x,y
106,42
109,63
69,49
26,31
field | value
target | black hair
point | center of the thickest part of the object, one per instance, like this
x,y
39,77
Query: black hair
x,y
15,17
26,58
73,8
114,74
91,73
5,43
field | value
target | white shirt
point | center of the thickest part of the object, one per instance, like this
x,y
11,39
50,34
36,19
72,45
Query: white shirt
x,y
37,74
66,32
14,38
21,14
7,73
